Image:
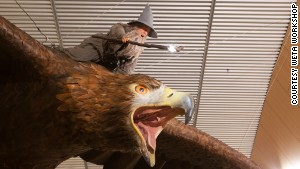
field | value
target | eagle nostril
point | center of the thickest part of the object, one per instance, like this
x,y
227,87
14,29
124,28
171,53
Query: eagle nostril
x,y
170,95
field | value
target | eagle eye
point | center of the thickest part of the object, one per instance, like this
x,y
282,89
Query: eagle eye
x,y
141,89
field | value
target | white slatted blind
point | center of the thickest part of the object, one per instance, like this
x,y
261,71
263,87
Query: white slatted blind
x,y
41,13
77,163
245,41
246,36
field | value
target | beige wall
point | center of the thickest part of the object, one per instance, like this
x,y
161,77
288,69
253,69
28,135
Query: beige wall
x,y
277,143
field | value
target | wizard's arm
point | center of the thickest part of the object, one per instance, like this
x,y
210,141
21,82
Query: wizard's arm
x,y
118,31
126,51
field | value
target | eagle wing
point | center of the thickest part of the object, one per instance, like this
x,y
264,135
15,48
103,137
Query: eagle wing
x,y
179,146
35,81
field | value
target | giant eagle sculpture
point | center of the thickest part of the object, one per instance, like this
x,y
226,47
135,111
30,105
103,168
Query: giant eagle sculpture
x,y
53,108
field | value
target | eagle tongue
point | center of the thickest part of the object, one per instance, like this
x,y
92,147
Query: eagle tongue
x,y
150,134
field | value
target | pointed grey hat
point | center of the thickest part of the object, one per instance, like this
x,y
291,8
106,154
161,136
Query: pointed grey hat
x,y
146,18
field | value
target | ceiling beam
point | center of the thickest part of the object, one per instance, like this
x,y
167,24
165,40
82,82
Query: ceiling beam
x,y
211,16
53,6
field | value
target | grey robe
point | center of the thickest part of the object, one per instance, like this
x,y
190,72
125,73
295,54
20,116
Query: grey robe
x,y
120,58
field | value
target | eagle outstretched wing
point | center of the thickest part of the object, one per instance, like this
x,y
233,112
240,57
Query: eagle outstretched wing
x,y
178,147
54,108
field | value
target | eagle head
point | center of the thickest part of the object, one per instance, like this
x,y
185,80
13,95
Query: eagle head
x,y
125,112
153,104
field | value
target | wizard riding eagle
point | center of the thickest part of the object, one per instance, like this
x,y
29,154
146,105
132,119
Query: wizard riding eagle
x,y
53,108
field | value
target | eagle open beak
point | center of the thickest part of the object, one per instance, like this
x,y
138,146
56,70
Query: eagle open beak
x,y
149,121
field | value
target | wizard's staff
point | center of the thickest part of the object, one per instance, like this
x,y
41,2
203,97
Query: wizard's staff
x,y
169,48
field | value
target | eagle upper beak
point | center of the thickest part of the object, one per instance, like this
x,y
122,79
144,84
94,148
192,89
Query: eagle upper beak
x,y
149,120
189,108
181,100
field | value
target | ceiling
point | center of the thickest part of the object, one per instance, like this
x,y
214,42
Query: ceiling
x,y
230,49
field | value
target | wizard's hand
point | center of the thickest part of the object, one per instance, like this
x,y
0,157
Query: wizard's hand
x,y
125,39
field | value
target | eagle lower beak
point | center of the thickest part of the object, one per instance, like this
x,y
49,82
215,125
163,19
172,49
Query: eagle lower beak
x,y
149,120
